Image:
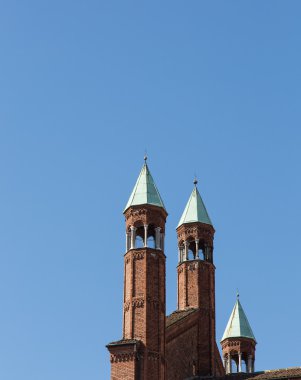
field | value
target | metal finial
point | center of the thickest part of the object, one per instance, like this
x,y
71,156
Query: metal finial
x,y
237,294
195,182
145,158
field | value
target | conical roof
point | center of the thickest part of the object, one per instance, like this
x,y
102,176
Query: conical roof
x,y
145,191
238,325
195,210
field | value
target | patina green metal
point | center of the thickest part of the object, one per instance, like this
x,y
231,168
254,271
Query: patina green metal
x,y
145,191
195,210
238,325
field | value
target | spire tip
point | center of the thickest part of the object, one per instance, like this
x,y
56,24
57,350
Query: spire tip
x,y
145,155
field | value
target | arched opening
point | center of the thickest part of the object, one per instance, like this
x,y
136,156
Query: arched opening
x,y
191,255
202,254
151,236
139,243
244,365
234,364
238,362
191,249
151,242
205,251
139,237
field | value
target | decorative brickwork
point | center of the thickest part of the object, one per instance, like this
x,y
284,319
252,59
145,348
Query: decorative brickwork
x,y
239,350
145,215
144,295
196,289
125,359
181,346
185,356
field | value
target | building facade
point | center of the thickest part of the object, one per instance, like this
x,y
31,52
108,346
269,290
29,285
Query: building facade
x,y
182,345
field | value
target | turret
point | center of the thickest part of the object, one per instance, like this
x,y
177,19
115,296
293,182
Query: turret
x,y
143,342
238,342
196,278
195,246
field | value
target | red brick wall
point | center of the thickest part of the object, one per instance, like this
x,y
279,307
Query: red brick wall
x,y
219,367
144,306
123,370
195,284
182,349
196,289
125,361
188,349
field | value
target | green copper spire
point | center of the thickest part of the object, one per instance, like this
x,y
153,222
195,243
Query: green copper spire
x,y
195,210
145,190
238,325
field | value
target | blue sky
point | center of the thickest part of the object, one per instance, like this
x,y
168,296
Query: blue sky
x,y
211,88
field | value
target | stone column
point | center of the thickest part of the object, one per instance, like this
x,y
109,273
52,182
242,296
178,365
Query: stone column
x,y
239,362
128,241
162,241
196,248
225,363
229,364
207,253
186,250
133,237
145,235
157,239
249,364
210,254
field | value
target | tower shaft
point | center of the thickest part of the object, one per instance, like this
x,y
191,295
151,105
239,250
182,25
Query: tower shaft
x,y
143,341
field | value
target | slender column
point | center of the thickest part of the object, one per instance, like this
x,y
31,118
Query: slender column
x,y
229,364
157,240
196,248
127,242
185,250
225,363
239,362
133,236
210,252
179,254
162,241
253,365
250,363
145,235
206,258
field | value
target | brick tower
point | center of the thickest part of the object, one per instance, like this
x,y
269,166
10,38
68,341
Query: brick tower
x,y
196,293
238,342
141,352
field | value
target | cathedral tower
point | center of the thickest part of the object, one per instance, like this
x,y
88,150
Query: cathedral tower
x,y
141,352
238,342
196,278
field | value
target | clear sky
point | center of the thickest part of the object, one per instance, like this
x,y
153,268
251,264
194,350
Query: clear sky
x,y
207,87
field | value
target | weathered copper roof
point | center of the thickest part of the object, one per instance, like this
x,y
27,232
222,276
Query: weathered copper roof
x,y
195,210
145,191
178,315
238,324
